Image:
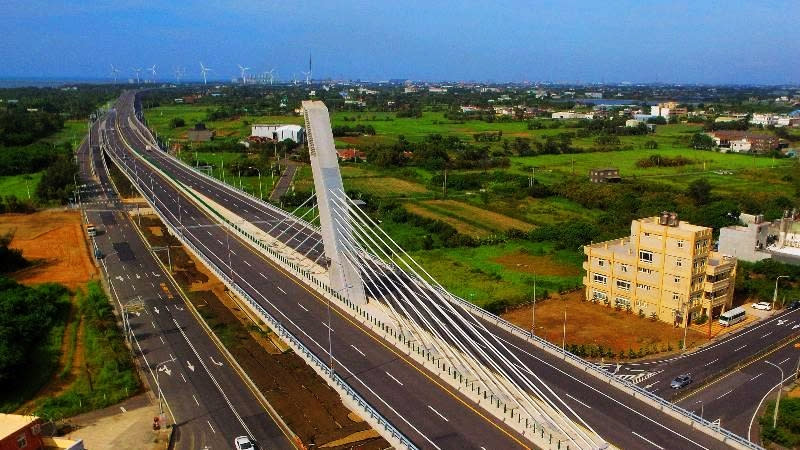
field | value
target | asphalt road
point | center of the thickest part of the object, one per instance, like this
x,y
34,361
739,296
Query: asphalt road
x,y
714,359
207,398
622,420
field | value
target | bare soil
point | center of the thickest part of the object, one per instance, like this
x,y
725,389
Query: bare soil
x,y
313,410
56,242
533,264
592,323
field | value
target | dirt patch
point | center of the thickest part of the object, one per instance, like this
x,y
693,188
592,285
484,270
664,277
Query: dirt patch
x,y
156,231
460,226
595,324
533,264
56,241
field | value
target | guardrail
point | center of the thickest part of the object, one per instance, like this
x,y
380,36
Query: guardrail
x,y
319,366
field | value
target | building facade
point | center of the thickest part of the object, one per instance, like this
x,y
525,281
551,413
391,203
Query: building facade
x,y
664,268
604,175
279,132
748,242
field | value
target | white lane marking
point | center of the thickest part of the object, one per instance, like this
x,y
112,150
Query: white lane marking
x,y
215,362
279,288
162,340
152,285
326,326
265,277
153,323
762,337
395,379
209,233
723,395
184,378
248,264
209,426
745,345
783,361
751,379
195,400
711,362
220,242
233,252
438,413
647,440
584,404
304,308
359,351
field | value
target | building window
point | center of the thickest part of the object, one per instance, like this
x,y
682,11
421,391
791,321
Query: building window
x,y
643,286
675,296
645,270
679,262
22,441
623,268
600,279
599,295
677,279
645,256
680,243
624,285
701,244
601,262
622,302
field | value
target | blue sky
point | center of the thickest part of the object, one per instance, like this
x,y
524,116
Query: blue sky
x,y
586,41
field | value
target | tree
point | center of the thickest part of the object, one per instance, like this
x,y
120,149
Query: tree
x,y
700,191
651,145
177,122
702,141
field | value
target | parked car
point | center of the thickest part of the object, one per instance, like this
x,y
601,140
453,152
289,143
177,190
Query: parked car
x,y
764,306
681,381
243,443
794,305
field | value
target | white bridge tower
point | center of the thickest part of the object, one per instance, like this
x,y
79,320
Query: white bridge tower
x,y
334,218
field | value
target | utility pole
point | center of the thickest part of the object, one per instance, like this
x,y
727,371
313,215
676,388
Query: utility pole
x,y
533,308
775,293
778,401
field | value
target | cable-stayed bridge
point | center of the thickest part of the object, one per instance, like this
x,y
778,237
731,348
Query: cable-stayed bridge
x,y
427,369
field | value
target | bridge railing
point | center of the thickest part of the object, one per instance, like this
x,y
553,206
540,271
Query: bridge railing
x,y
594,369
318,365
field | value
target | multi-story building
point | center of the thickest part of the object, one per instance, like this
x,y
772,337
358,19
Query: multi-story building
x,y
665,267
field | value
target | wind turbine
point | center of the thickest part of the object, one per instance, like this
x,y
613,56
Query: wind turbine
x,y
153,71
179,72
137,70
244,75
308,76
204,70
271,73
114,72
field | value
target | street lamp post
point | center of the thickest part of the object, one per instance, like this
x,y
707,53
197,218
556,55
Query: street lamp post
x,y
778,401
260,193
775,294
158,385
533,308
701,408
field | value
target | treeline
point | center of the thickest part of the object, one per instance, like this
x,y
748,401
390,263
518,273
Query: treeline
x,y
11,259
21,127
31,158
27,315
355,130
663,161
70,102
435,152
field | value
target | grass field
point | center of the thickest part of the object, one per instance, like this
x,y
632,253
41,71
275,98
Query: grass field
x,y
467,219
16,185
481,274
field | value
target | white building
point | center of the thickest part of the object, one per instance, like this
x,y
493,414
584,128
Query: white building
x,y
740,146
279,132
633,122
572,115
749,242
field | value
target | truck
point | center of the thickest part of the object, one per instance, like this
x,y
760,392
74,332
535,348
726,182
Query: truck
x,y
91,230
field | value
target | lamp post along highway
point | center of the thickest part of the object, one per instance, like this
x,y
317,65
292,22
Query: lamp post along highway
x,y
158,385
260,192
533,308
778,400
775,293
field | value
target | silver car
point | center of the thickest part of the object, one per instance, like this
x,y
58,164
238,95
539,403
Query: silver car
x,y
681,381
243,443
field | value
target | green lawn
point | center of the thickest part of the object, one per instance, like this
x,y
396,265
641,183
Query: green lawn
x,y
16,185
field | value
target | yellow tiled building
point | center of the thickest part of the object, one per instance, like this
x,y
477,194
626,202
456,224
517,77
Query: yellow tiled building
x,y
665,267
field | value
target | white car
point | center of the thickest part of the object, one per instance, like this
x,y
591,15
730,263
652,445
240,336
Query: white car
x,y
764,306
243,443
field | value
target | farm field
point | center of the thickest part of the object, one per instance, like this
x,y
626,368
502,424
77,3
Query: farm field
x,y
467,219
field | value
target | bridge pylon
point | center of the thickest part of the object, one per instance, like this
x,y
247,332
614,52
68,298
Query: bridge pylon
x,y
333,216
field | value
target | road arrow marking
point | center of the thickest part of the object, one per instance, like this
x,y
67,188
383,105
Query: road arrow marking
x,y
191,367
